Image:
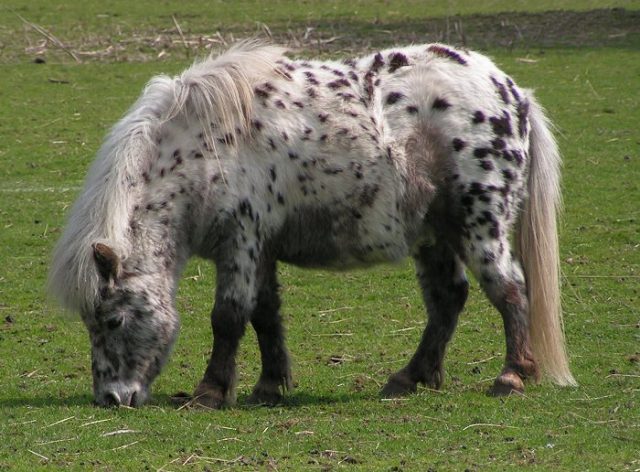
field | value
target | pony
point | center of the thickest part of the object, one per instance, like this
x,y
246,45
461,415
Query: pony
x,y
250,158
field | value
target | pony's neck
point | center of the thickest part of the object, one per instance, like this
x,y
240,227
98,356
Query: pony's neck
x,y
159,246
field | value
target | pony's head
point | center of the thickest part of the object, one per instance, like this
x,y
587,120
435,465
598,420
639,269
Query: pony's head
x,y
132,327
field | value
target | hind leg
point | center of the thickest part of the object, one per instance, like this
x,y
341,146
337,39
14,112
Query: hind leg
x,y
445,288
502,280
266,320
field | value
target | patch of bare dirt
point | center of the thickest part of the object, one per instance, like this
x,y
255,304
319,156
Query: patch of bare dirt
x,y
596,28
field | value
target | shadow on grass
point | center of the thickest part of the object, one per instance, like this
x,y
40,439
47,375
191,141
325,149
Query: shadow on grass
x,y
163,400
291,400
48,401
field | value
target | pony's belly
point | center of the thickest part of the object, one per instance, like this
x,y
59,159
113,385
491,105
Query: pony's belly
x,y
339,240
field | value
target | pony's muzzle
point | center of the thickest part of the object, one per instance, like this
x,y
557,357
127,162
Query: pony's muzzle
x,y
120,395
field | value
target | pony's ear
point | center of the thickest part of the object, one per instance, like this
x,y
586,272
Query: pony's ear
x,y
107,261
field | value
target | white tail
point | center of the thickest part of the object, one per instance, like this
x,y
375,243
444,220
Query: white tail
x,y
537,242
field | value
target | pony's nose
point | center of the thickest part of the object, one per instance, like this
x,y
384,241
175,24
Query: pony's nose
x,y
111,399
115,397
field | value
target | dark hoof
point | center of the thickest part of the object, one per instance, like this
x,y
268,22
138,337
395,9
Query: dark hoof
x,y
506,384
269,392
180,399
435,378
264,396
210,397
399,385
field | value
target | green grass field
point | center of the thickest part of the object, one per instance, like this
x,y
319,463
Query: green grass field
x,y
347,331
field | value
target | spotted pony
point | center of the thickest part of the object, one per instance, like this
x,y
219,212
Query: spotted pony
x,y
251,157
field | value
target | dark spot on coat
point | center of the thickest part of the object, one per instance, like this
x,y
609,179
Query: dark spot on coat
x,y
336,84
176,164
478,117
440,104
397,60
293,155
333,170
518,156
280,198
502,90
508,174
227,139
522,112
458,144
368,195
311,79
378,62
394,97
507,155
476,188
347,97
245,208
447,53
498,143
481,152
501,124
261,92
412,110
486,165
349,62
323,117
513,89
272,173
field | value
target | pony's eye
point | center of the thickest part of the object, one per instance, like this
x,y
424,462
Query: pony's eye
x,y
115,322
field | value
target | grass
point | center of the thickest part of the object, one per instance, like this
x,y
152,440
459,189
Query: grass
x,y
346,331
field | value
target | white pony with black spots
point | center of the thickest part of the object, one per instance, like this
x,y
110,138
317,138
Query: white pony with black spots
x,y
250,158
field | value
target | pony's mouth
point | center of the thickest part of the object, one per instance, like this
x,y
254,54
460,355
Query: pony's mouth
x,y
116,395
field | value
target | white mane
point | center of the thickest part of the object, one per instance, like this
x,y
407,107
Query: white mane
x,y
217,90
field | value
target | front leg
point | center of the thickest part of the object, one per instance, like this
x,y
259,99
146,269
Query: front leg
x,y
275,378
217,388
236,289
